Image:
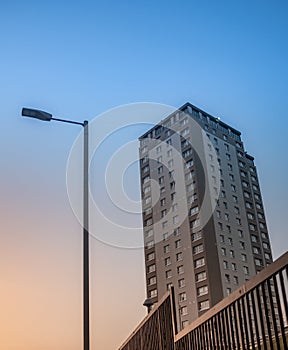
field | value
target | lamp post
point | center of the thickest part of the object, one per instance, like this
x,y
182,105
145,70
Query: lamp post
x,y
37,114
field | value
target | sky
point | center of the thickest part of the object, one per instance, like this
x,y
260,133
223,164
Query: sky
x,y
83,60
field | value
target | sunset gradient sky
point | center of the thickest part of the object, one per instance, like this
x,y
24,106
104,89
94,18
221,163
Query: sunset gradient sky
x,y
78,59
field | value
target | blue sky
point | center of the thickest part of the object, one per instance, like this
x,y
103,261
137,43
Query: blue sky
x,y
80,59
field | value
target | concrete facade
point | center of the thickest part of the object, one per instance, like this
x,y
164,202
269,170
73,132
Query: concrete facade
x,y
204,225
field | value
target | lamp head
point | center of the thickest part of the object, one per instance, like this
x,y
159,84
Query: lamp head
x,y
37,114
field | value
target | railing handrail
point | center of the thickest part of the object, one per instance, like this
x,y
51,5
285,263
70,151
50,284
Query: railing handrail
x,y
262,276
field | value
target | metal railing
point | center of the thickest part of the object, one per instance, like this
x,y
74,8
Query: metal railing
x,y
253,317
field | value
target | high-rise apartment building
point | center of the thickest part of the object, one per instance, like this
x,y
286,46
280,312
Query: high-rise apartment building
x,y
204,225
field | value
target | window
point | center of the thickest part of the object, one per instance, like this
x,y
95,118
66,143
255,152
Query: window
x,y
169,142
170,163
242,245
151,280
234,267
226,216
181,283
168,274
147,200
175,219
184,132
179,256
227,278
201,276
158,149
168,133
245,184
146,179
165,236
160,169
171,174
222,240
163,202
202,291
164,224
228,156
147,189
198,249
161,180
235,280
252,227
191,187
183,310
250,216
256,250
255,188
267,256
199,262
151,268
174,207
169,153
148,211
266,245
145,169
166,248
197,235
159,159
163,213
233,188
264,235
176,231
178,243
204,305
167,261
153,293
194,210
254,239
245,270
148,222
144,149
182,296
220,226
225,265
195,223
238,221
189,176
150,256
223,251
240,234
218,214
235,199
228,291
180,269
173,196
230,241
189,164
150,244
232,254
258,262
187,153
244,257
231,177
236,210
172,185
230,168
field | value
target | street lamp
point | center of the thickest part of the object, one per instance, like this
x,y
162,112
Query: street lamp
x,y
37,114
